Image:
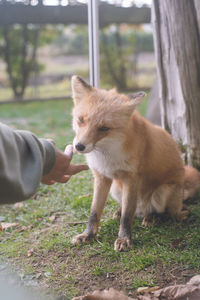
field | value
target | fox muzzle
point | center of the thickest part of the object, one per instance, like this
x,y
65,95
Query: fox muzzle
x,y
80,147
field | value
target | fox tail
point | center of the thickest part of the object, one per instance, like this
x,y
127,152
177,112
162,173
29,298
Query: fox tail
x,y
191,182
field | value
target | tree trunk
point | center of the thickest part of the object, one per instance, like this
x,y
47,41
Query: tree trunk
x,y
177,50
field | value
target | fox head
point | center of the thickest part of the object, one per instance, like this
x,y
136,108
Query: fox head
x,y
100,116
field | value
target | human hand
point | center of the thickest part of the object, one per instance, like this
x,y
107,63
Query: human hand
x,y
62,169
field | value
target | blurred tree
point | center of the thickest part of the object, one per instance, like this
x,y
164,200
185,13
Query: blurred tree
x,y
18,48
143,41
120,47
177,46
73,40
115,56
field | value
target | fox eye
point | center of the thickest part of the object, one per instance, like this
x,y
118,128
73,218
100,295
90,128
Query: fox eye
x,y
103,128
81,120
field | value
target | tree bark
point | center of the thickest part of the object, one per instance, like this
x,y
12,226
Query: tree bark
x,y
177,50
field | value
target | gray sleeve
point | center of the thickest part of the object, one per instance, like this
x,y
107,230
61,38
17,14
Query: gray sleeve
x,y
23,160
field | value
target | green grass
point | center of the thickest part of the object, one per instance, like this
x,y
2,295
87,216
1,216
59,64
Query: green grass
x,y
68,270
57,89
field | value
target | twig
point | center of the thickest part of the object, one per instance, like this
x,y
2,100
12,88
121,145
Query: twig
x,y
76,222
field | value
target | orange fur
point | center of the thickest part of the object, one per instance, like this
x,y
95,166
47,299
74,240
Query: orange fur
x,y
191,182
137,161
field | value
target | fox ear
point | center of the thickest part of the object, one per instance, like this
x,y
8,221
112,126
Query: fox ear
x,y
80,88
136,98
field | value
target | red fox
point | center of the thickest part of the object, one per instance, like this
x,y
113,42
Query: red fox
x,y
138,162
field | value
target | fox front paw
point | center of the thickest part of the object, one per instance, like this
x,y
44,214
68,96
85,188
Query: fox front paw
x,y
122,244
81,238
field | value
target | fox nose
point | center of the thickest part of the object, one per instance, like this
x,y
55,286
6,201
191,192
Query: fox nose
x,y
80,147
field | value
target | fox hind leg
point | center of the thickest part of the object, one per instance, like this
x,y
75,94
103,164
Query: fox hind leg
x,y
117,214
169,197
149,220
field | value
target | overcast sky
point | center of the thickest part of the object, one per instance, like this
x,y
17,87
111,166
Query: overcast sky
x,y
125,2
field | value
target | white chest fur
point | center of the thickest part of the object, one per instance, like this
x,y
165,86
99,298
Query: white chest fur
x,y
108,158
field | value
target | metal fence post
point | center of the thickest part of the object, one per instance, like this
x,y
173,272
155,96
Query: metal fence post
x,y
93,31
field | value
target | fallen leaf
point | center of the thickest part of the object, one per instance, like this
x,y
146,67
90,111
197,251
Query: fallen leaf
x,y
18,205
25,228
146,289
4,225
110,294
29,252
52,218
191,291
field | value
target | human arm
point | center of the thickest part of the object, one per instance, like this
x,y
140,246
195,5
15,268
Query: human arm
x,y
25,160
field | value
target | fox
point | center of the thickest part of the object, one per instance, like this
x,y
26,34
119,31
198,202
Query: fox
x,y
137,162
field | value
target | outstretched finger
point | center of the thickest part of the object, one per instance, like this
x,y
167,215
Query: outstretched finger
x,y
73,169
69,151
48,181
